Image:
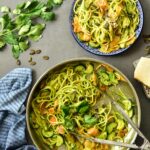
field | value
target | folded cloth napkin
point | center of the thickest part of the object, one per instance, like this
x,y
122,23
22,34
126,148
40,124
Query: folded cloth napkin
x,y
14,88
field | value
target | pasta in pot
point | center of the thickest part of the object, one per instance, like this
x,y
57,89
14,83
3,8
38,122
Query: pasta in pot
x,y
67,101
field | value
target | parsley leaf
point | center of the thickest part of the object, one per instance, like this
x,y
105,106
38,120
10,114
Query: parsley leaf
x,y
24,29
48,16
19,25
36,29
5,9
2,43
16,51
10,38
23,45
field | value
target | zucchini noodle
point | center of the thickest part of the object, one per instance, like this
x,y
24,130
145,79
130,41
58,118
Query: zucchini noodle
x,y
68,101
106,24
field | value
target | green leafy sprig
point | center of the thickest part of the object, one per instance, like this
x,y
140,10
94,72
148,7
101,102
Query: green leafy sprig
x,y
18,26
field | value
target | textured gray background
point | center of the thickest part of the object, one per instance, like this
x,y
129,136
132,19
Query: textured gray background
x,y
58,43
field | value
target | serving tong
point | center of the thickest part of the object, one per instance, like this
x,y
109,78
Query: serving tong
x,y
144,146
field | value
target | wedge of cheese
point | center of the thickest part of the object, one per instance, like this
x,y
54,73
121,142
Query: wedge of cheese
x,y
142,71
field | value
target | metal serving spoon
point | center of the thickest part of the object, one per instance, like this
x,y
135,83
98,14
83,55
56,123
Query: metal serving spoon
x,y
144,146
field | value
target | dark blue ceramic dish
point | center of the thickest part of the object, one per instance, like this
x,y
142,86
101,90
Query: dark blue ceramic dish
x,y
96,50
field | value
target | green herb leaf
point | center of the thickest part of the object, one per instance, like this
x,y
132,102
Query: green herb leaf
x,y
48,16
88,119
22,20
24,45
5,9
50,3
23,25
28,3
10,38
35,37
65,110
5,20
16,51
83,107
58,2
16,11
20,6
24,29
70,124
36,30
2,43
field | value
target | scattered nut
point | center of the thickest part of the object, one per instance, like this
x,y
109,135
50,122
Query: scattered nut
x,y
18,62
32,52
33,63
46,57
38,51
30,60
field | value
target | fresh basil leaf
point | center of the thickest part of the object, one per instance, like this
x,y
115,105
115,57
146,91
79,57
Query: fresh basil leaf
x,y
88,119
65,110
10,38
24,29
83,107
36,30
5,9
48,16
69,124
16,51
24,45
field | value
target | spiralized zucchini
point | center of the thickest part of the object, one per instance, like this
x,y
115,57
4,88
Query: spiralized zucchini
x,y
106,24
68,101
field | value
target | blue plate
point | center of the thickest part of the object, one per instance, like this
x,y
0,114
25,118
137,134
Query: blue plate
x,y
96,50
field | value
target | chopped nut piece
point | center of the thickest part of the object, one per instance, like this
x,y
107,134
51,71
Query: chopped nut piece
x,y
30,60
46,57
38,51
33,63
18,62
32,52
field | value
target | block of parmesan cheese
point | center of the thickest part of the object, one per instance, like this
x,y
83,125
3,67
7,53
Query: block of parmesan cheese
x,y
142,71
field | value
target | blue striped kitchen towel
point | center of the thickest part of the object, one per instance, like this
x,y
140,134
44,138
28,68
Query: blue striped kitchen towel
x,y
14,88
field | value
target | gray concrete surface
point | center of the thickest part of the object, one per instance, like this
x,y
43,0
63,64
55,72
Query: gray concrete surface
x,y
59,45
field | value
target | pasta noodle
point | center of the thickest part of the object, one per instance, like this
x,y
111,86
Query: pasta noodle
x,y
68,101
106,24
